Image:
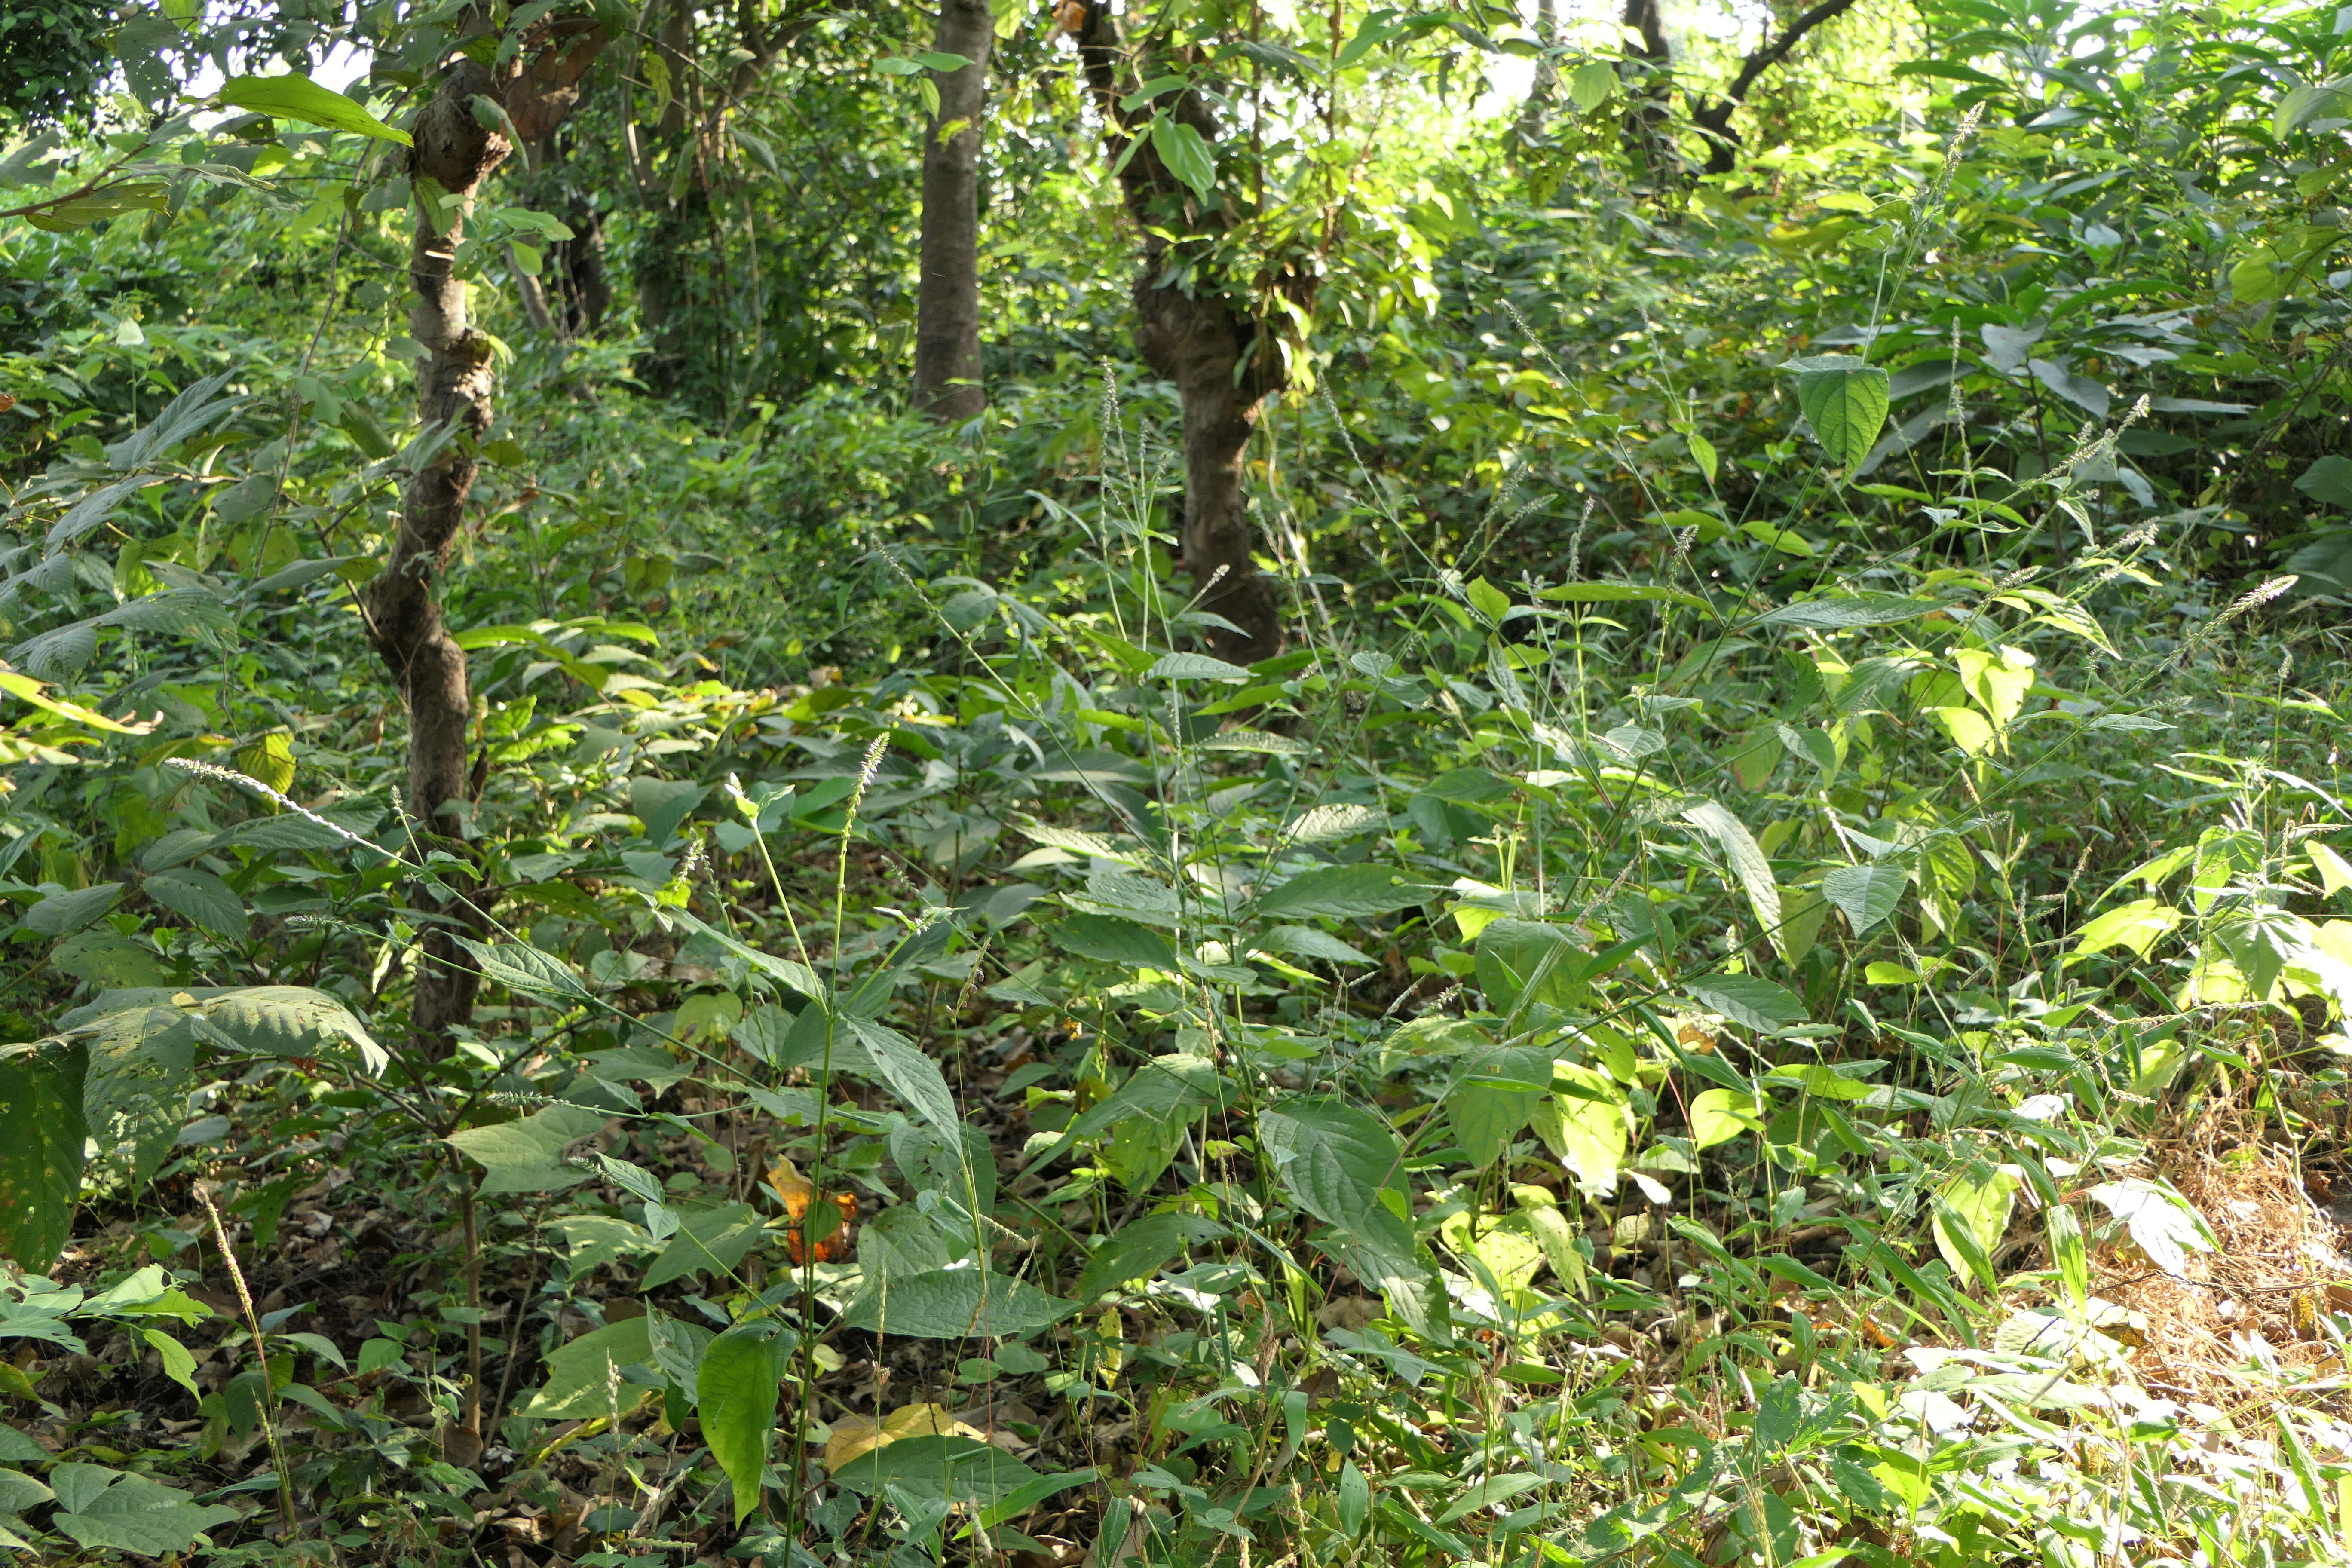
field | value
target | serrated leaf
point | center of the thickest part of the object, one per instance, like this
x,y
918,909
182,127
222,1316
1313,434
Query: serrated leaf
x,y
60,914
580,1374
954,1304
200,897
1748,999
1589,84
1845,401
527,1155
525,969
1342,892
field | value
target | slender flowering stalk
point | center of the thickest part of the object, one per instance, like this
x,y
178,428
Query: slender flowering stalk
x,y
230,775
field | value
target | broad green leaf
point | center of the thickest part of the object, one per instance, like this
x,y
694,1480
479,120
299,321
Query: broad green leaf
x,y
1487,600
1748,999
584,1377
179,1363
907,1073
1746,859
1589,84
61,914
296,97
2137,926
1591,1130
1487,1105
1188,158
41,1135
1140,1250
1818,1079
1837,614
2334,872
201,896
2161,1222
1865,895
938,1469
1334,1159
1342,892
735,1395
1971,1215
527,1155
709,1241
1845,401
1719,1115
1112,939
1307,942
2329,479
1969,729
955,1304
142,1517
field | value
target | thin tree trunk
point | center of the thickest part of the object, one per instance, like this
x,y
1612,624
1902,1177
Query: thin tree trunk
x,y
454,152
946,303
1225,364
1648,135
1537,111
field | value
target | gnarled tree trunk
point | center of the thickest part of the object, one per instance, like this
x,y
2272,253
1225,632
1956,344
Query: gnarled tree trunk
x,y
947,301
456,151
1223,362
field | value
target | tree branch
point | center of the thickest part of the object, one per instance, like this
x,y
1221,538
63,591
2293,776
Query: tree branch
x,y
1722,152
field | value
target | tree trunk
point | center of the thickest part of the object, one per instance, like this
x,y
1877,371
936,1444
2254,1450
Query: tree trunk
x,y
1224,362
1537,111
1648,135
455,152
947,303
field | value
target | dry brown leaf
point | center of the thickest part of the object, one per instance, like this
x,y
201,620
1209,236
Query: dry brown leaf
x,y
856,1435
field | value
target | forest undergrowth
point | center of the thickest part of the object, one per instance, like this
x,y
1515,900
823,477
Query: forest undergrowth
x,y
1760,979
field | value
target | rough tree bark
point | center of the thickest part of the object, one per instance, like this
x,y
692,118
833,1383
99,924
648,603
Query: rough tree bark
x,y
456,151
947,301
1224,362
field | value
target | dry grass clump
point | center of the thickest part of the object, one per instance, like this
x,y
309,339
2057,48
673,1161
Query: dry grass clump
x,y
2257,1303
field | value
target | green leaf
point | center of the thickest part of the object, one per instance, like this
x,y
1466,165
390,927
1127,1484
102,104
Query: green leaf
x,y
1188,157
2137,926
179,1366
41,1134
939,1469
1342,892
1590,1129
662,804
525,969
910,1075
1139,1251
1836,614
1866,894
2161,1222
527,1156
944,62
1115,940
1971,1215
296,97
1307,942
199,896
1619,593
1748,999
954,1304
578,1375
1845,401
1719,1115
62,913
136,1515
710,1240
1746,861
1487,600
735,1395
1194,666
1589,84
1488,1107
2329,479
1334,1159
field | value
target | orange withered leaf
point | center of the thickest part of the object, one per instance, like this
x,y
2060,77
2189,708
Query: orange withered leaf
x,y
797,1192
